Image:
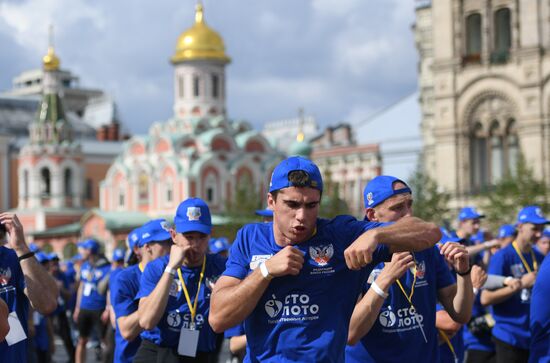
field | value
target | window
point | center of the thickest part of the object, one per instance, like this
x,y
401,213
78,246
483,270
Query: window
x,y
180,86
473,39
45,182
502,36
215,85
143,189
210,188
121,198
89,189
512,144
196,84
68,183
169,192
497,153
25,184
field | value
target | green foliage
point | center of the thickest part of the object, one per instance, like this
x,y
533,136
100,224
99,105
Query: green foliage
x,y
430,203
240,210
512,192
331,203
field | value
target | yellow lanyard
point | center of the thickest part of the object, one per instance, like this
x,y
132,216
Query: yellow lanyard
x,y
192,307
448,341
525,264
409,297
141,268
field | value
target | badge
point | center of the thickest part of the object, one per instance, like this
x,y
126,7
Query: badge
x,y
189,341
16,333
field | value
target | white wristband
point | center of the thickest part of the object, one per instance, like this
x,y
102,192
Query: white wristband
x,y
379,291
265,272
170,271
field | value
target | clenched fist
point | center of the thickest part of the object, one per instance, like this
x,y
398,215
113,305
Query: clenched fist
x,y
288,261
456,255
359,254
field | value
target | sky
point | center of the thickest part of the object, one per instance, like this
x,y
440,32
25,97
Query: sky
x,y
339,60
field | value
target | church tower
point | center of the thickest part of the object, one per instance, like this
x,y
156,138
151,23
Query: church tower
x,y
199,71
50,164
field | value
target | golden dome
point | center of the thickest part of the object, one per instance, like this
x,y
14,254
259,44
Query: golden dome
x,y
200,42
51,60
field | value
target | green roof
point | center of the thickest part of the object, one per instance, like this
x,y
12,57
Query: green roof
x,y
66,229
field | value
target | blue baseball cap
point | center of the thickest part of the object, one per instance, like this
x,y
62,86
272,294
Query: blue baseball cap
x,y
546,232
133,238
279,178
193,215
154,231
53,256
41,257
118,254
506,230
469,213
380,188
264,212
447,236
217,245
532,214
89,244
33,247
76,257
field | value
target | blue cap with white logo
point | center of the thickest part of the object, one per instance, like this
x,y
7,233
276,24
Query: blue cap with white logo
x,y
469,213
506,230
193,215
279,178
532,214
118,255
380,188
154,231
217,245
546,232
89,244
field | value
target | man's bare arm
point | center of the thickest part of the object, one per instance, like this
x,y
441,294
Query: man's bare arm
x,y
129,326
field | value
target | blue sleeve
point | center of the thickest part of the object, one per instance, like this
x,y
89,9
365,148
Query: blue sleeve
x,y
150,277
443,275
235,331
347,229
497,265
121,297
238,262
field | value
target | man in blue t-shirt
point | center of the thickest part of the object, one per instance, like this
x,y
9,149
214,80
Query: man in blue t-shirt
x,y
540,316
399,311
174,294
511,303
153,240
22,280
90,304
296,280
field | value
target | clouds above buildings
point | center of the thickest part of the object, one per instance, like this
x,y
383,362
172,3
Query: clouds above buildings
x,y
339,60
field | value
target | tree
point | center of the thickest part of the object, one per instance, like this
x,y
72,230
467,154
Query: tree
x,y
331,203
430,203
512,192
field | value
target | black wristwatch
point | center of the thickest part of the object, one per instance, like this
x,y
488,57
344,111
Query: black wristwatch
x,y
465,273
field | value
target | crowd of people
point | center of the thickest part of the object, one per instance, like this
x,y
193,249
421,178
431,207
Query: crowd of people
x,y
388,287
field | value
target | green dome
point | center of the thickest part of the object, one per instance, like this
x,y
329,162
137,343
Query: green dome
x,y
300,148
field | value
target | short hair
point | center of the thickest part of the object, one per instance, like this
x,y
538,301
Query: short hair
x,y
298,178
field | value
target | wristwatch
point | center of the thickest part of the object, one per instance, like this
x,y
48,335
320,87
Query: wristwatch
x,y
265,272
170,271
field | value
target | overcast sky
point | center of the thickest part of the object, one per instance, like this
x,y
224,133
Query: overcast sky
x,y
341,60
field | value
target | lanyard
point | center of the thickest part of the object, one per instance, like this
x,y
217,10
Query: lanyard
x,y
449,344
141,268
525,264
192,307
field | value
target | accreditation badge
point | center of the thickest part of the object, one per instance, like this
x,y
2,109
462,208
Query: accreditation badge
x,y
16,333
189,341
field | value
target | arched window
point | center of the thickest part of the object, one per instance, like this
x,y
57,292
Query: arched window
x,y
497,153
143,189
45,182
121,198
210,188
68,182
478,158
512,148
196,84
503,38
180,86
215,85
473,37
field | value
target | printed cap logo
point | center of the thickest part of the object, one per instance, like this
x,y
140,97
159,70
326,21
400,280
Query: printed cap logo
x,y
370,199
164,225
193,213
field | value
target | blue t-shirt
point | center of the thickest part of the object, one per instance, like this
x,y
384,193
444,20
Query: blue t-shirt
x,y
12,285
457,341
304,317
61,303
482,339
540,316
177,315
41,339
90,276
397,325
124,287
512,315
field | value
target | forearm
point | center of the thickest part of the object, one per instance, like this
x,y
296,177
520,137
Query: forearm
x,y
78,297
444,322
230,305
463,300
129,326
408,234
494,282
497,296
152,307
475,249
40,286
